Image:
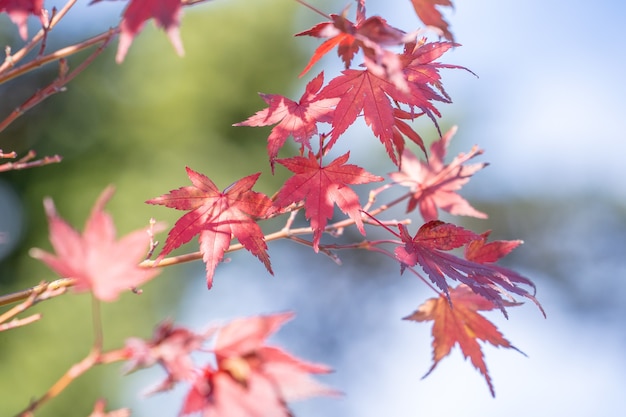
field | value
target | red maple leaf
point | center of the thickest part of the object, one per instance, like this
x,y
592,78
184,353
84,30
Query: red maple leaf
x,y
321,188
298,119
367,34
19,10
166,14
480,251
460,323
428,248
96,261
216,216
253,379
362,91
434,184
428,14
171,347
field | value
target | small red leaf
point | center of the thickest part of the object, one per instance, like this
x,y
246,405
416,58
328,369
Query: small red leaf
x,y
298,119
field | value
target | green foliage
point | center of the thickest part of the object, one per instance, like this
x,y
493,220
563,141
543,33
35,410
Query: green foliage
x,y
136,126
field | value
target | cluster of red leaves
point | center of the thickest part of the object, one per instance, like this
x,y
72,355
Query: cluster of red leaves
x,y
367,33
392,88
250,379
430,247
389,90
485,286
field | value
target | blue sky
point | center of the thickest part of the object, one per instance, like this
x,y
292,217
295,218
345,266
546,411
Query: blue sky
x,y
548,106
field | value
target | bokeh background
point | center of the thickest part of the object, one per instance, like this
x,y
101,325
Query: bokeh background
x,y
547,108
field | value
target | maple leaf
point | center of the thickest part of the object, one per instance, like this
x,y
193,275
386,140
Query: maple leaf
x,y
96,261
364,91
367,34
428,14
434,184
171,347
320,187
253,379
478,250
400,128
298,119
19,10
429,247
166,14
216,217
460,323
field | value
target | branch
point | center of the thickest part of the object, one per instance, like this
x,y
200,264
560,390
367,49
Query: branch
x,y
19,322
43,291
64,77
11,60
26,161
95,357
285,233
57,55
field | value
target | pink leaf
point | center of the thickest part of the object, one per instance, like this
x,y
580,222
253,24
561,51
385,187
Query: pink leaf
x,y
321,188
216,217
96,261
19,10
435,184
166,14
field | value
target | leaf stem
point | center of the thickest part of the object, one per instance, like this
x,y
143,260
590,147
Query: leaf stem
x,y
97,324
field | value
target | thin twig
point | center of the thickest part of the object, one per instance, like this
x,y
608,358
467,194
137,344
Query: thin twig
x,y
12,59
308,6
95,357
49,288
64,77
19,322
27,162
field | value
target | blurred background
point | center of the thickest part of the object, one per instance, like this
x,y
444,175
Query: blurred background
x,y
547,109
